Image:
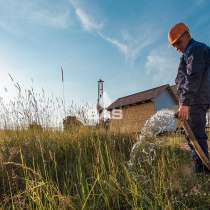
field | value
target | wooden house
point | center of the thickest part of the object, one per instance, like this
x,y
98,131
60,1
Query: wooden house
x,y
137,108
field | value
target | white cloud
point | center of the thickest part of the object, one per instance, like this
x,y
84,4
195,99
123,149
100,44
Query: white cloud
x,y
46,17
123,48
89,24
86,21
106,100
129,44
17,14
161,65
130,48
140,38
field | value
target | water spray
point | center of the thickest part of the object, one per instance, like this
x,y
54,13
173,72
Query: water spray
x,y
163,121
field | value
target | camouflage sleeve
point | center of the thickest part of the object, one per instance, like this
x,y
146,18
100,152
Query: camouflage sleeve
x,y
195,67
180,78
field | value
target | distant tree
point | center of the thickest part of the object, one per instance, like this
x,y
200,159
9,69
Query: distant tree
x,y
35,126
71,122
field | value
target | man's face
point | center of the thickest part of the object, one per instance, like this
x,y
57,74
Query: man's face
x,y
181,43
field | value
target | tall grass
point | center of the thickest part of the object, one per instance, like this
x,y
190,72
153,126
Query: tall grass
x,y
37,107
89,168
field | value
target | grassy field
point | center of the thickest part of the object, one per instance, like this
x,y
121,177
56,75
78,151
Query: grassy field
x,y
90,169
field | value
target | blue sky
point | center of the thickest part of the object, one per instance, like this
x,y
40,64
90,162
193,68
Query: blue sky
x,y
124,42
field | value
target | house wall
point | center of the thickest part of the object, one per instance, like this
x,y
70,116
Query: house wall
x,y
164,101
133,119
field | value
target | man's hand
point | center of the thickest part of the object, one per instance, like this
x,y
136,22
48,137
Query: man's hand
x,y
183,112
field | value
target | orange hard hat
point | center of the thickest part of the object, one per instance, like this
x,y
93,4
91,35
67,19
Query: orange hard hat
x,y
176,32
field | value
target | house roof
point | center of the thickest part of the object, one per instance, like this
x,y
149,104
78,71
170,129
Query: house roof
x,y
143,96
